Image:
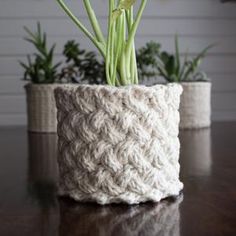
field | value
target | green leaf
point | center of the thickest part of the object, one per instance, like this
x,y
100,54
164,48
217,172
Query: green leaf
x,y
170,66
147,60
177,55
163,71
173,78
116,13
165,57
29,32
201,55
40,68
126,4
123,5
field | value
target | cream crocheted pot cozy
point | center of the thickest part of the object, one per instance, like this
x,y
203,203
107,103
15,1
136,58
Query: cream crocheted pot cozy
x,y
195,105
41,107
118,144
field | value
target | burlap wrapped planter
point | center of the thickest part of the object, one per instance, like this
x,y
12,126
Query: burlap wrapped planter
x,y
118,144
195,105
41,107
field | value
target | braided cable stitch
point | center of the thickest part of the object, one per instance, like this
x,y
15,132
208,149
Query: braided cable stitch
x,y
118,144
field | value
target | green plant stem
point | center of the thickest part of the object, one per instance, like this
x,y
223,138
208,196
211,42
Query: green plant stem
x,y
134,28
134,70
123,68
133,63
118,49
99,45
112,58
131,60
112,47
94,22
109,38
183,70
178,65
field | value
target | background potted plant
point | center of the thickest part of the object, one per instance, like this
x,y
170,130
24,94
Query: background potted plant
x,y
44,76
41,71
118,142
195,105
147,61
81,66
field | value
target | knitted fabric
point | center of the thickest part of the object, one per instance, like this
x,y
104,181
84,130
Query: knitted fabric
x,y
195,106
118,144
41,107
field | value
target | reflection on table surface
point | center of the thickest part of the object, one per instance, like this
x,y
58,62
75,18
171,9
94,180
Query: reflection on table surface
x,y
90,219
196,151
145,219
29,204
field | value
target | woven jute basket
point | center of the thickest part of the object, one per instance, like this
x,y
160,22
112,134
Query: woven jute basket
x,y
41,107
118,144
195,105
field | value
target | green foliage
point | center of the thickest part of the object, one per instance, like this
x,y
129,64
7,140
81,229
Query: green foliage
x,y
40,68
118,49
171,68
147,61
153,62
82,66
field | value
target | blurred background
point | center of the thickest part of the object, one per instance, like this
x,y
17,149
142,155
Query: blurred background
x,y
198,23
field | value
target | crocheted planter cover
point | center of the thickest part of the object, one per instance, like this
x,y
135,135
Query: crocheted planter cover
x,y
41,107
118,144
195,105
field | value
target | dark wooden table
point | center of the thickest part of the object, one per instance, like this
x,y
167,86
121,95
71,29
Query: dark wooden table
x,y
29,206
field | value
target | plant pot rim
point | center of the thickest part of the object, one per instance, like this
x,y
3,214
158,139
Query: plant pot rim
x,y
120,88
196,84
44,86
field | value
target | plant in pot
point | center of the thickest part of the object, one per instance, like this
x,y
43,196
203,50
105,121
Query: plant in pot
x,y
195,105
147,60
118,142
42,73
81,66
44,76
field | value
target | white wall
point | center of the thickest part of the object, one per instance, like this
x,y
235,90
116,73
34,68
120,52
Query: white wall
x,y
198,23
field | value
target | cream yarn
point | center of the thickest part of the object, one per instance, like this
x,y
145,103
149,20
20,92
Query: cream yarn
x,y
118,144
195,105
41,108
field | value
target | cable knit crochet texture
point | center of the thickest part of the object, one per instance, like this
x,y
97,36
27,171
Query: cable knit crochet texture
x,y
118,144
